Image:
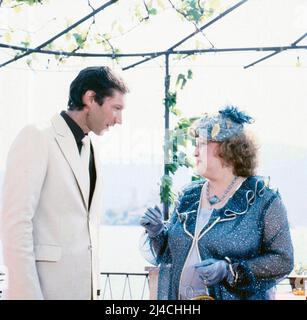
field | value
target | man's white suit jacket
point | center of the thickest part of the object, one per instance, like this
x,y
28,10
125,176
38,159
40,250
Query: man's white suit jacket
x,y
50,238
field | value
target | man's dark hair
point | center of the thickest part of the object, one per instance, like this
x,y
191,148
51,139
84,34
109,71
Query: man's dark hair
x,y
102,80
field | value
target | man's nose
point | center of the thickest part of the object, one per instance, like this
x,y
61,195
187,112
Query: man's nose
x,y
119,118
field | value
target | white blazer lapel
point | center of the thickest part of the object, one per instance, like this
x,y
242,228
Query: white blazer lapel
x,y
68,146
98,186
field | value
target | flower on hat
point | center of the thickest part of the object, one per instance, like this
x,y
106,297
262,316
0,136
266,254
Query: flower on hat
x,y
235,115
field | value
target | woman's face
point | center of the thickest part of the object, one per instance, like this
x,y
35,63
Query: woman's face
x,y
206,157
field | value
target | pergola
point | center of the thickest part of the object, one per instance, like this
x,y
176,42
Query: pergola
x,y
147,56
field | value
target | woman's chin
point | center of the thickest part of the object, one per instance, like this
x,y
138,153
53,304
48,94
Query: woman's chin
x,y
199,172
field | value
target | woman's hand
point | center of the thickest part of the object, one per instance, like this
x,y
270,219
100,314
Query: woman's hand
x,y
152,221
213,271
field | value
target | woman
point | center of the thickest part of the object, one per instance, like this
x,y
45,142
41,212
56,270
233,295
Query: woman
x,y
228,236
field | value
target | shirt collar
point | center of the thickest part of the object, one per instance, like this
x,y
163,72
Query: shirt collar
x,y
74,127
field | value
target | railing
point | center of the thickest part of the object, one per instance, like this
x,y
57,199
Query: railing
x,y
143,286
124,286
150,279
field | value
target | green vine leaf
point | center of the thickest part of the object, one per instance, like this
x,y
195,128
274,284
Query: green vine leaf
x,y
166,193
171,99
79,39
50,46
176,111
160,4
196,178
192,10
26,44
7,37
30,2
152,11
29,62
172,167
181,79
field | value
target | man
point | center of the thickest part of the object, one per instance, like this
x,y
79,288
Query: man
x,y
52,195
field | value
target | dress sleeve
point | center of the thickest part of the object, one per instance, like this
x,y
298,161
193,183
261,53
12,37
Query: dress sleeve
x,y
275,259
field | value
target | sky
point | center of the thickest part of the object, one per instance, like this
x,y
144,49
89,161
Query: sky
x,y
273,92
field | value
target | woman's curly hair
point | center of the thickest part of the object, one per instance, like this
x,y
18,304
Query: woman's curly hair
x,y
240,152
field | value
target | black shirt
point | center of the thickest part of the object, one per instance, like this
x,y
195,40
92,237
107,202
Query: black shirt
x,y
79,135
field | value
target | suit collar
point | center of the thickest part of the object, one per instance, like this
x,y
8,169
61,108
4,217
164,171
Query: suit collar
x,y
68,146
60,126
96,196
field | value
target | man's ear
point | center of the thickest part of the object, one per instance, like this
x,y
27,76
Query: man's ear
x,y
88,97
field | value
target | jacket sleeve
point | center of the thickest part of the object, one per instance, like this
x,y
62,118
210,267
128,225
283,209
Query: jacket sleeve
x,y
24,177
275,259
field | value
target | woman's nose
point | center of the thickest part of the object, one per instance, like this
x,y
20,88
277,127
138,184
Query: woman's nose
x,y
196,153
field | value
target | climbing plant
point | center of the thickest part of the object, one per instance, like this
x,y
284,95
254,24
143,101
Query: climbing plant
x,y
178,139
87,36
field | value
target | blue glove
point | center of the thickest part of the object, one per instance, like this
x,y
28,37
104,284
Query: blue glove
x,y
152,221
213,271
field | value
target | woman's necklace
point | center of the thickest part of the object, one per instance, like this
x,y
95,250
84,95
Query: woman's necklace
x,y
215,199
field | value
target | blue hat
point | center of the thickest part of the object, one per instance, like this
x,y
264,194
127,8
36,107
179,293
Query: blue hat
x,y
222,126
